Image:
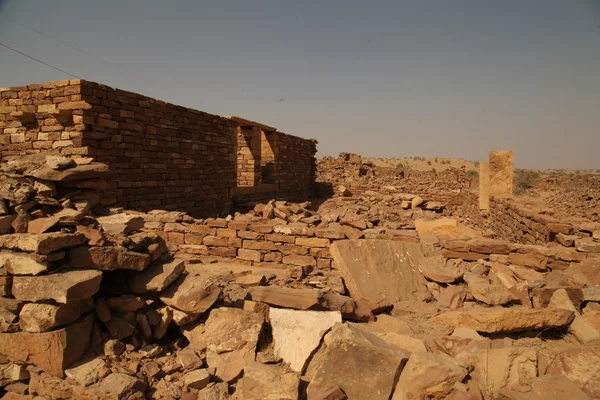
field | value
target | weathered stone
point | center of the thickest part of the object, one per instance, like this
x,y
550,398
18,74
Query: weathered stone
x,y
41,225
499,368
536,261
86,372
340,367
489,246
251,280
21,263
191,294
125,303
45,243
544,388
12,372
501,173
296,334
108,258
580,327
486,292
77,173
6,223
121,224
114,347
428,376
484,185
515,319
229,337
35,317
62,287
51,351
118,386
197,379
156,277
452,297
444,226
58,162
434,268
119,328
587,245
580,365
298,299
266,382
380,271
160,329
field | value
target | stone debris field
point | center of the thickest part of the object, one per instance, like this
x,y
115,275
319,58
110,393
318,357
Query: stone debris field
x,y
149,251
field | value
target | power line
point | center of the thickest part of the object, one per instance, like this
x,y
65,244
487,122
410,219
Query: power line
x,y
40,61
76,49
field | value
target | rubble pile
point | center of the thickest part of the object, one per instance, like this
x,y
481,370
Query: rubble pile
x,y
350,171
287,301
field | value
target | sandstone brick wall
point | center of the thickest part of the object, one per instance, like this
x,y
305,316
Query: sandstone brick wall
x,y
161,156
518,224
296,165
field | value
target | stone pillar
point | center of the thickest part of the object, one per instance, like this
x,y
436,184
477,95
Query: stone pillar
x,y
484,185
248,156
501,174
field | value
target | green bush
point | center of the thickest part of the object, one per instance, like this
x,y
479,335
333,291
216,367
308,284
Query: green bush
x,y
525,179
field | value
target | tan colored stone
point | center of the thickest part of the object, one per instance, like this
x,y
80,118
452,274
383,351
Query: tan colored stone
x,y
263,382
298,299
514,319
86,372
489,246
108,258
51,351
339,368
544,388
580,327
62,287
501,174
499,368
581,365
296,334
229,337
121,224
36,317
197,379
191,294
484,185
434,268
428,376
380,272
156,277
444,226
17,263
45,243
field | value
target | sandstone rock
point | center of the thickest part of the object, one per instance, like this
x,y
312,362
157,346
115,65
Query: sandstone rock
x,y
62,287
580,365
296,334
160,329
298,299
86,372
536,261
121,224
6,223
191,294
156,277
402,342
338,367
45,243
263,382
58,162
467,333
587,245
434,268
21,223
77,173
12,372
416,202
125,303
452,297
486,292
229,337
21,263
499,368
515,319
197,379
384,323
544,388
108,258
114,347
380,272
489,246
351,310
51,351
580,327
119,386
41,225
35,317
444,226
119,328
428,376
251,280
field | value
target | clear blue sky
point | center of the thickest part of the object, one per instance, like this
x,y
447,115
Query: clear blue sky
x,y
448,78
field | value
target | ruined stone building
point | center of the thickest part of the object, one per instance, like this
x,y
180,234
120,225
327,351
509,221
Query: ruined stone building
x,y
161,156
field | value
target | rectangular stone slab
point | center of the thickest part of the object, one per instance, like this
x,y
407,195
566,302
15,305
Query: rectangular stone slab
x,y
501,174
51,351
380,272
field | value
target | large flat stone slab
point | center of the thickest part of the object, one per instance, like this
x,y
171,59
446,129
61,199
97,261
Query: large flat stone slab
x,y
296,334
357,362
51,351
191,294
108,258
229,337
156,277
501,173
62,287
380,272
44,243
515,319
